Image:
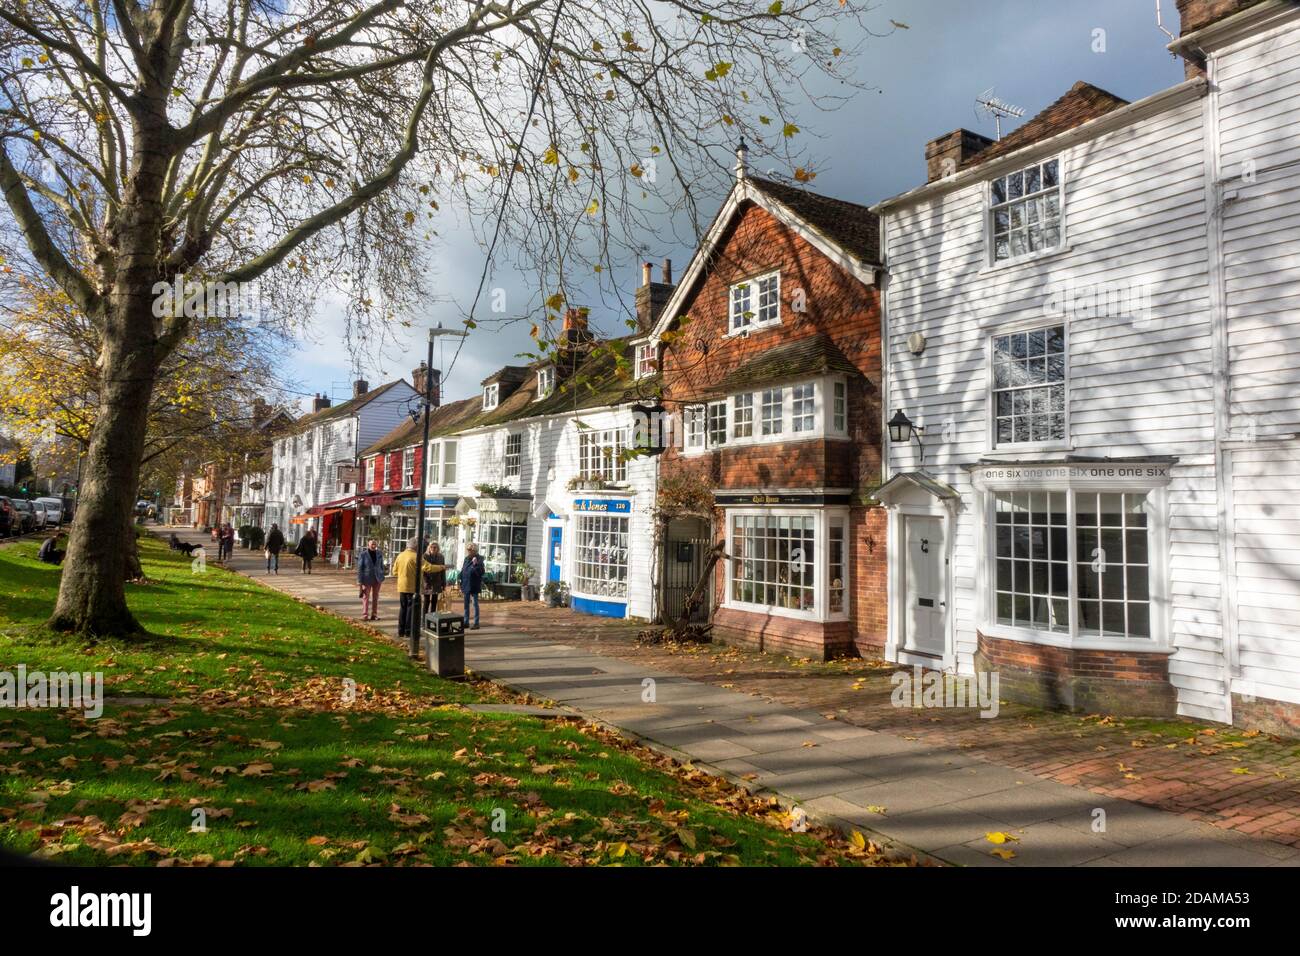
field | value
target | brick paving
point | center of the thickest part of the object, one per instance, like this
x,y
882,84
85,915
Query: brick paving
x,y
826,737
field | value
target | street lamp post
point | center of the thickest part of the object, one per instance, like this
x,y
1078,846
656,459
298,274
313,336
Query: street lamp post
x,y
416,625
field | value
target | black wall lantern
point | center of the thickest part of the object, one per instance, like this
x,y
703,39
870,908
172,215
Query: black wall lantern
x,y
902,431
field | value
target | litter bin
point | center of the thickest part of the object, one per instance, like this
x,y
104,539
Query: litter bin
x,y
444,644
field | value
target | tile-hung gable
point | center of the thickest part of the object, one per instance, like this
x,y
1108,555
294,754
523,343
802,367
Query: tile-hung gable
x,y
775,381
1092,377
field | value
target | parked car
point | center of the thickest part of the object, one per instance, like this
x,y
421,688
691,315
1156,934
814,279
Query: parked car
x,y
25,515
53,510
7,516
41,516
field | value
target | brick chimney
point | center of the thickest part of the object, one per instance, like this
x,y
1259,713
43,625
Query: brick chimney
x,y
360,387
945,155
651,297
1194,15
574,340
320,402
420,377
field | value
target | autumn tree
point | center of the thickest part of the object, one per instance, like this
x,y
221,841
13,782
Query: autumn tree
x,y
307,145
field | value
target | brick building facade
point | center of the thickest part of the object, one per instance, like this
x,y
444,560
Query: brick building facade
x,y
771,365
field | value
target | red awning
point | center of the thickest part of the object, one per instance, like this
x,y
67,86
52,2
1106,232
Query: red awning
x,y
330,507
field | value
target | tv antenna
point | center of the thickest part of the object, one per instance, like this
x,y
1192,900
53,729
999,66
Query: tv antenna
x,y
992,106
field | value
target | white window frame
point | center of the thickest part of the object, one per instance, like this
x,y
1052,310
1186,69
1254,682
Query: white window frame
x,y
371,464
769,426
839,417
693,427
798,415
610,524
513,461
750,319
1157,563
646,360
433,463
545,381
491,396
742,402
716,413
821,563
449,461
592,443
991,392
408,467
991,208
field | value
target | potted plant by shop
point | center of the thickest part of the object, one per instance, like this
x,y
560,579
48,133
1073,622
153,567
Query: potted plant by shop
x,y
556,593
524,574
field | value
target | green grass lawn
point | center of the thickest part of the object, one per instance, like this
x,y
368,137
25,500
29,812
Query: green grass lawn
x,y
259,733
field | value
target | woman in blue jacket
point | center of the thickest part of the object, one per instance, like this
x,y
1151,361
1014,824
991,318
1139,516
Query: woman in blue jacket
x,y
370,575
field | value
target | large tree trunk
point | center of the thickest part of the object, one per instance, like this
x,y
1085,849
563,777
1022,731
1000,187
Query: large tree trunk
x,y
92,594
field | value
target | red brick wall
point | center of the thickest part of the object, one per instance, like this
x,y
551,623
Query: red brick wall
x,y
848,312
419,467
394,471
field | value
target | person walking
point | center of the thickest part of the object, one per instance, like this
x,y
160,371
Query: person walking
x,y
227,542
407,573
307,550
274,545
370,575
471,583
435,582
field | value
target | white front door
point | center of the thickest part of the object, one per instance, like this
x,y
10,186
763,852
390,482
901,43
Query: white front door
x,y
925,611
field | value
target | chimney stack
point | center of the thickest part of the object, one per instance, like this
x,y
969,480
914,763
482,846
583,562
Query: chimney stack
x,y
360,387
946,155
1195,15
742,160
320,403
652,296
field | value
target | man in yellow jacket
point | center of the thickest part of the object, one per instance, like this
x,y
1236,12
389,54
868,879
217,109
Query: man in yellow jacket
x,y
406,570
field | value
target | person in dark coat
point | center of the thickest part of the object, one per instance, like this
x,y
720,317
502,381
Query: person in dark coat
x,y
435,582
50,552
307,550
471,583
274,545
370,576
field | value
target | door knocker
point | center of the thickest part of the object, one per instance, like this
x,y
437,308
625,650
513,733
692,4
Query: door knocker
x,y
925,545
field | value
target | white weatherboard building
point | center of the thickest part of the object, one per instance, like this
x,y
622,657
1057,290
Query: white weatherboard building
x,y
533,471
1096,321
304,484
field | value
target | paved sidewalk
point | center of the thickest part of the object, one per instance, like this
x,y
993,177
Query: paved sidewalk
x,y
941,800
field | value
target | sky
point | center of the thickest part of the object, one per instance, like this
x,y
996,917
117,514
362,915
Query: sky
x,y
923,83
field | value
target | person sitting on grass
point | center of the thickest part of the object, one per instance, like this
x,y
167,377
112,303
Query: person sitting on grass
x,y
404,569
50,552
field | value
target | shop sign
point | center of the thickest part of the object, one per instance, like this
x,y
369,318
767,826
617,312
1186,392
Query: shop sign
x,y
1096,471
617,506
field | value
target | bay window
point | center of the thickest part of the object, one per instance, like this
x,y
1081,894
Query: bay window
x,y
600,556
502,538
1074,562
788,562
802,405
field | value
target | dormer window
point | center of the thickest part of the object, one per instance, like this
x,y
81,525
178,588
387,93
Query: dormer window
x,y
1025,210
756,303
645,360
491,393
545,381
